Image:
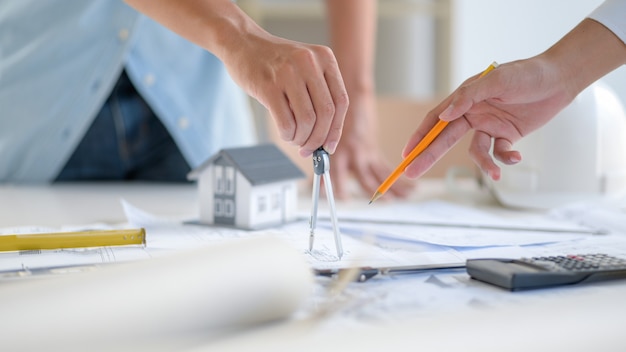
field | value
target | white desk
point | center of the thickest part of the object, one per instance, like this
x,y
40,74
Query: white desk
x,y
427,312
87,203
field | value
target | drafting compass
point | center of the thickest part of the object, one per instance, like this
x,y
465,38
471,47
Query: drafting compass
x,y
321,166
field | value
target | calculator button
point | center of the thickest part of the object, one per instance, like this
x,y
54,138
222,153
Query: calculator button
x,y
548,265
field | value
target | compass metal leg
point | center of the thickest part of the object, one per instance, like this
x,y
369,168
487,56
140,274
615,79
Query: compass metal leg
x,y
313,221
321,166
333,214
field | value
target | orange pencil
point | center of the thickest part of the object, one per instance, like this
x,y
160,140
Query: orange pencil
x,y
419,148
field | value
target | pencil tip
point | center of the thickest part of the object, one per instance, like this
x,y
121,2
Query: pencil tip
x,y
375,197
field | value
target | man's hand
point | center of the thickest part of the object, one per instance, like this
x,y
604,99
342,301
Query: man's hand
x,y
517,98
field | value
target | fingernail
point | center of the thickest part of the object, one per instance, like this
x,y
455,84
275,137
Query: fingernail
x,y
446,114
494,175
331,147
305,153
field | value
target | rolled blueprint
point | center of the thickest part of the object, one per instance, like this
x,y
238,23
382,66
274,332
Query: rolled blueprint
x,y
166,303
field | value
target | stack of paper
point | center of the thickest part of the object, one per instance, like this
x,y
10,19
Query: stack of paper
x,y
166,303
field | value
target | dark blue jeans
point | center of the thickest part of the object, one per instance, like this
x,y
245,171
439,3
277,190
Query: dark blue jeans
x,y
126,142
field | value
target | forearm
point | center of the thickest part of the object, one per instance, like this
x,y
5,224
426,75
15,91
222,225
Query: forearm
x,y
353,38
216,25
585,54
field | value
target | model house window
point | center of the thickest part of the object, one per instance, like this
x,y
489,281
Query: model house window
x,y
219,208
275,201
229,180
219,179
229,208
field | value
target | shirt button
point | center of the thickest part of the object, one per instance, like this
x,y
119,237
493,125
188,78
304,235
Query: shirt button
x,y
183,122
149,79
123,34
66,133
95,86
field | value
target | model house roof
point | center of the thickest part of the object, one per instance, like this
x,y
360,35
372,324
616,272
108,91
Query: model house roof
x,y
259,164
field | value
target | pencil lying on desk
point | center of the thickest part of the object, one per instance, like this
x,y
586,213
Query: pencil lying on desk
x,y
419,148
81,239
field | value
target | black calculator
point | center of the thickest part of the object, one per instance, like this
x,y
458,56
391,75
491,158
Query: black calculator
x,y
538,272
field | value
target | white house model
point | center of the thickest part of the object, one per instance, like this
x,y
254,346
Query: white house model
x,y
248,187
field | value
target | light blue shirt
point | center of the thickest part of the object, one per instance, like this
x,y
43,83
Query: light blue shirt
x,y
59,60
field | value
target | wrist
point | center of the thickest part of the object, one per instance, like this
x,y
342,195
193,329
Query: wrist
x,y
558,72
360,86
228,30
586,54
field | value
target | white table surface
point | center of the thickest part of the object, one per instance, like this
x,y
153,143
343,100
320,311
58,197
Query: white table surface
x,y
86,203
576,318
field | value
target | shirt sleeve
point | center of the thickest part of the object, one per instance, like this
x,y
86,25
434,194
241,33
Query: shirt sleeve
x,y
612,14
